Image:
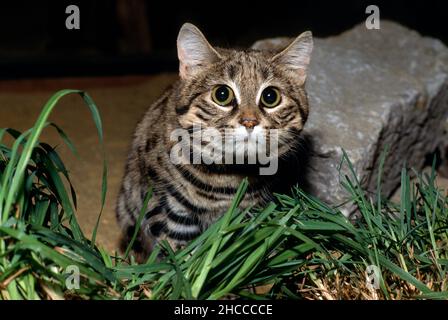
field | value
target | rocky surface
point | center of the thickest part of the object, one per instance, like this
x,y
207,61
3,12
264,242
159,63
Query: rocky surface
x,y
369,89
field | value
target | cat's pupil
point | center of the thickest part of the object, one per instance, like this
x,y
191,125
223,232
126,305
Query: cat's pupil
x,y
269,96
222,93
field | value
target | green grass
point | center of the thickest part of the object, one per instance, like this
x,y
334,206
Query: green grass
x,y
295,248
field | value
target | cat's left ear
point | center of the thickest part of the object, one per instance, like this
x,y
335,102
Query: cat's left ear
x,y
296,56
194,51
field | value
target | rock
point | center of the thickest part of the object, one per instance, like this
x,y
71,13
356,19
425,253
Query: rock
x,y
369,89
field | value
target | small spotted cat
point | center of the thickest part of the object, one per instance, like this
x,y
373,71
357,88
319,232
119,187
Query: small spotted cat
x,y
246,93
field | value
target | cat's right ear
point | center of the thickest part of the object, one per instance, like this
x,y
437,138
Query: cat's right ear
x,y
194,51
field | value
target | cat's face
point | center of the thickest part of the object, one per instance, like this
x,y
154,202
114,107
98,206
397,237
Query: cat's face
x,y
246,94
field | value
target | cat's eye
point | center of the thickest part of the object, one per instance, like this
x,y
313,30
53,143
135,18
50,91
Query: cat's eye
x,y
222,95
271,97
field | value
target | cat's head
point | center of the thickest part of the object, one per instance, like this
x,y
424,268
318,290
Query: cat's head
x,y
247,92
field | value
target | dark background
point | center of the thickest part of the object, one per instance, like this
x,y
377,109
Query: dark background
x,y
138,36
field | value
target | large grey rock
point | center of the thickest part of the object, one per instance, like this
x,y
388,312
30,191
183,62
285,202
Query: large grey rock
x,y
369,89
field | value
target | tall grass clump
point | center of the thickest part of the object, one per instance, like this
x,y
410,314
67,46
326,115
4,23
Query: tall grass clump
x,y
295,248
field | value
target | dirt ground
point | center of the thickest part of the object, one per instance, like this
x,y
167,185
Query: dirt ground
x,y
121,100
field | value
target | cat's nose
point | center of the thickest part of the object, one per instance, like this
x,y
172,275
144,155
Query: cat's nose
x,y
249,122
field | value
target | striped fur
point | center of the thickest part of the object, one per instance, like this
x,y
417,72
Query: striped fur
x,y
188,198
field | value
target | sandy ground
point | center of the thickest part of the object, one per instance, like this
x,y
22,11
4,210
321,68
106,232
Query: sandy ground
x,y
122,101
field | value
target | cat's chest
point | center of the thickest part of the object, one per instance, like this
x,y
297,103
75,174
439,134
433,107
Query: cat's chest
x,y
214,200
217,209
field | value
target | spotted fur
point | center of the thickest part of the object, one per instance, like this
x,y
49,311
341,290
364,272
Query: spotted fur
x,y
187,198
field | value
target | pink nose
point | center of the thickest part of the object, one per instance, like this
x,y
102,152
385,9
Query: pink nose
x,y
249,123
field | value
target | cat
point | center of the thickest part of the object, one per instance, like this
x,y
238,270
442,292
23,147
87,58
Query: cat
x,y
242,92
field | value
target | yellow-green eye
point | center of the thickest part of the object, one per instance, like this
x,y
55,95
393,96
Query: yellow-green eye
x,y
271,97
222,95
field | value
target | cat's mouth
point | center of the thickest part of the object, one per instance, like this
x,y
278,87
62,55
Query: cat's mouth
x,y
240,144
248,133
